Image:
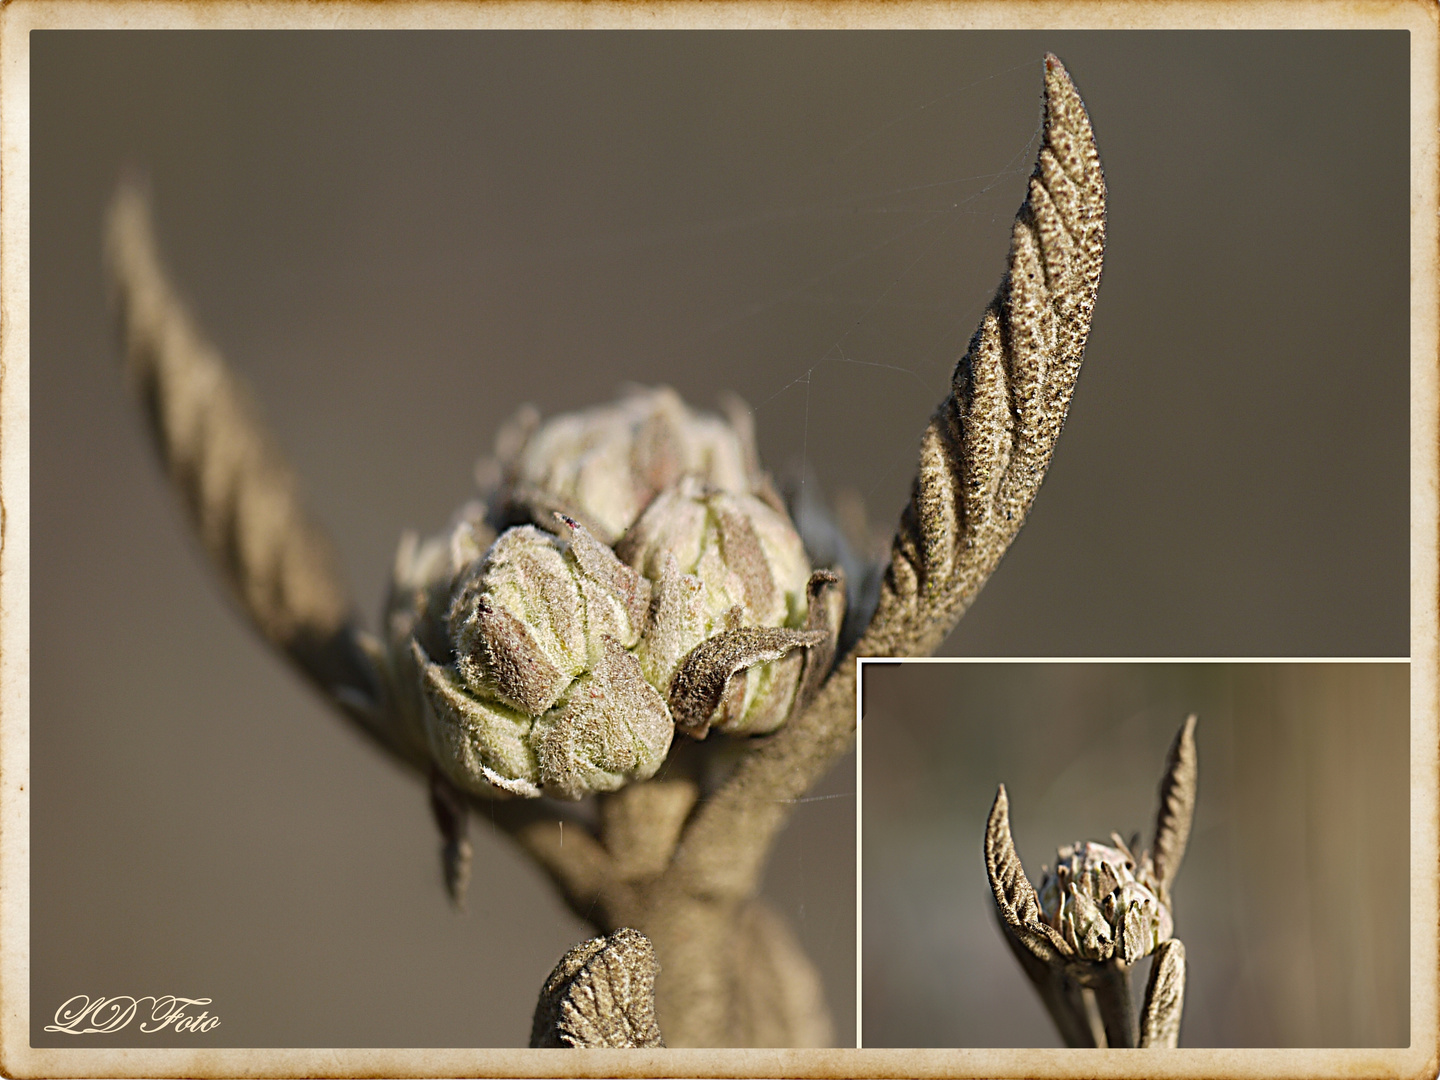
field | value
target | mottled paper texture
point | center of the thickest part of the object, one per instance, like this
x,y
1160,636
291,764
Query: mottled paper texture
x,y
115,538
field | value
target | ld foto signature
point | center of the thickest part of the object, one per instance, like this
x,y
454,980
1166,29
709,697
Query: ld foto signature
x,y
82,1016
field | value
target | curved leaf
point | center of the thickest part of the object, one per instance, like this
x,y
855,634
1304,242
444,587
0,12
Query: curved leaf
x,y
987,447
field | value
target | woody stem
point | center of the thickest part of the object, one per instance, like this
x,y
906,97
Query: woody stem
x,y
1117,1011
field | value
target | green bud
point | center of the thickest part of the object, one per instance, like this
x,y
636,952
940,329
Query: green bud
x,y
541,693
733,639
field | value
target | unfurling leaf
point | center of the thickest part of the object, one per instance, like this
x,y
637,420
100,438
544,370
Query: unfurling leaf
x,y
601,994
1177,807
1164,997
988,445
1015,898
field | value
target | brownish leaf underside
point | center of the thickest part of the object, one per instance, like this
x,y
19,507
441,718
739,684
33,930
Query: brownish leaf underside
x,y
987,447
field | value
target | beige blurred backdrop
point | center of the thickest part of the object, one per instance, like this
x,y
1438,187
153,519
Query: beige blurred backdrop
x,y
1293,900
398,238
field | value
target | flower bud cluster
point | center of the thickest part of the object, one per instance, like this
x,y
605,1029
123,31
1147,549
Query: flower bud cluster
x,y
549,662
1101,907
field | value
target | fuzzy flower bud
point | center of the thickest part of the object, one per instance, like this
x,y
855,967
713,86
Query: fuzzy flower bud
x,y
603,465
543,691
732,606
1100,907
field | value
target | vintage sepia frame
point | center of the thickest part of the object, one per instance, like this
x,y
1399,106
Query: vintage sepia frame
x,y
19,607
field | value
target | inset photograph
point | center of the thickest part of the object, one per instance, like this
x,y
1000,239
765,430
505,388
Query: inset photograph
x,y
1135,854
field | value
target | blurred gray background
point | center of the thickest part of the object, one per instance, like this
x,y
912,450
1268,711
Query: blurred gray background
x,y
398,238
1293,900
